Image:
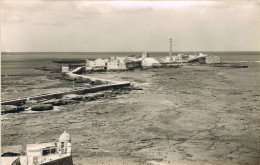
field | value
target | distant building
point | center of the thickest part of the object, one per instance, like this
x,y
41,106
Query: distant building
x,y
150,62
168,59
145,55
212,59
100,62
98,65
113,58
203,55
177,58
133,59
65,69
116,65
133,62
171,59
209,59
89,64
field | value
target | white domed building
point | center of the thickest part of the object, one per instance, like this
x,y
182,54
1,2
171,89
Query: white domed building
x,y
44,153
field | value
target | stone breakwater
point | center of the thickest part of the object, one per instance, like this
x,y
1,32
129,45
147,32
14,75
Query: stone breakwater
x,y
22,101
49,104
65,97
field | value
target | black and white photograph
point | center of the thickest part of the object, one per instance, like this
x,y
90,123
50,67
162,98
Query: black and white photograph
x,y
130,82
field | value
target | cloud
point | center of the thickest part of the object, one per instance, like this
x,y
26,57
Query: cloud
x,y
24,5
111,7
49,24
12,19
77,17
133,26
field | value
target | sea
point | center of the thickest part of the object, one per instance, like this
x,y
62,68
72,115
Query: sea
x,y
15,63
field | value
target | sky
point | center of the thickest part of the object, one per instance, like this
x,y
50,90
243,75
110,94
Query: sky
x,y
116,26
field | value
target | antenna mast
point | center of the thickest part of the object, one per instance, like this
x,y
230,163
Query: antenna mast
x,y
170,47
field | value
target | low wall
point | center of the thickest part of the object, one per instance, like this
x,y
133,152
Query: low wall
x,y
17,102
60,94
89,80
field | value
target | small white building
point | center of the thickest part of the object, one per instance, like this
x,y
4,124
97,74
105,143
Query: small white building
x,y
212,59
168,59
173,59
203,55
89,64
65,69
63,146
44,152
144,54
131,59
177,58
150,62
116,65
100,62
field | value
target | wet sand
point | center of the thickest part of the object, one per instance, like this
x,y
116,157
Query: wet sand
x,y
190,115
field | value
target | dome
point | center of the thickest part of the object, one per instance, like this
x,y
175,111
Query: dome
x,y
65,137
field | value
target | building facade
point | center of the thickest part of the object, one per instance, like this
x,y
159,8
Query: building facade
x,y
212,59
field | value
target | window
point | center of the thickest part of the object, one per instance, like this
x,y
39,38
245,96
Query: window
x,y
45,152
62,145
53,150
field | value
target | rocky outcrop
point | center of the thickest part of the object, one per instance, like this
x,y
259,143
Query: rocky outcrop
x,y
56,102
11,109
74,97
94,96
41,107
31,102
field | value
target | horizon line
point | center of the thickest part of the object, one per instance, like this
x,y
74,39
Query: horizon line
x,y
198,51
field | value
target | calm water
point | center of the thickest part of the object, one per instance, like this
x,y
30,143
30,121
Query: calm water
x,y
21,63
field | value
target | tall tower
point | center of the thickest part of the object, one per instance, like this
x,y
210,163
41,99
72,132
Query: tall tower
x,y
170,47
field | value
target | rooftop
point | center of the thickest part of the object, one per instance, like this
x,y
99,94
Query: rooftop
x,y
40,146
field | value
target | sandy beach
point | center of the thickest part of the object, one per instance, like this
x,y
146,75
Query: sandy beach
x,y
189,115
